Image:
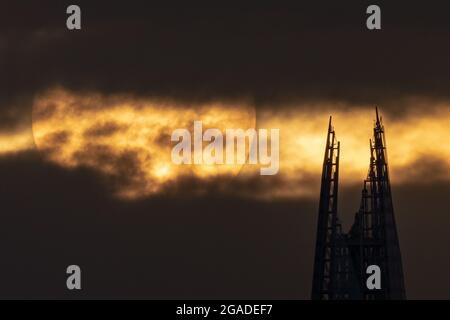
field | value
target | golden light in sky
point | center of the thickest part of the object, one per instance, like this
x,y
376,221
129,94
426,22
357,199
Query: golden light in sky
x,y
16,141
126,138
411,140
129,139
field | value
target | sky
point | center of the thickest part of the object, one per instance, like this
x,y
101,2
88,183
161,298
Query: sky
x,y
85,124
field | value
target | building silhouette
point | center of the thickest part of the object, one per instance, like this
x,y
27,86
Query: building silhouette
x,y
341,259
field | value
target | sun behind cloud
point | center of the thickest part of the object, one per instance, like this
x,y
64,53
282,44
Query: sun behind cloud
x,y
128,139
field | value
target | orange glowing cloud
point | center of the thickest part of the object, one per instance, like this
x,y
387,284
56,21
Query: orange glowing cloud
x,y
129,139
411,140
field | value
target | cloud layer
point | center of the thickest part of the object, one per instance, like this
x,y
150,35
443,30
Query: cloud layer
x,y
209,237
128,140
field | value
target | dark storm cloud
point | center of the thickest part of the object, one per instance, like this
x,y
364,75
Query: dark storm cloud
x,y
277,54
206,246
258,187
164,247
15,111
193,247
422,213
426,169
124,169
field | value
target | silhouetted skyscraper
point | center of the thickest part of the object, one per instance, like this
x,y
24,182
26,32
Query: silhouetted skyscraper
x,y
341,259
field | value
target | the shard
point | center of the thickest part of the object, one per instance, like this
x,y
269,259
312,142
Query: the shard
x,y
341,259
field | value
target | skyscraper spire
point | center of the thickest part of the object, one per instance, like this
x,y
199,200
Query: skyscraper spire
x,y
377,117
327,227
341,260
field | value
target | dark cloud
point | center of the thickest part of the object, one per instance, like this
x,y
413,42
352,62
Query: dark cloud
x,y
242,186
423,220
426,170
205,244
275,54
203,247
15,112
123,168
194,247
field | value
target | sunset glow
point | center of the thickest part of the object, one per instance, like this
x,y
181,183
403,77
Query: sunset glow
x,y
130,140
